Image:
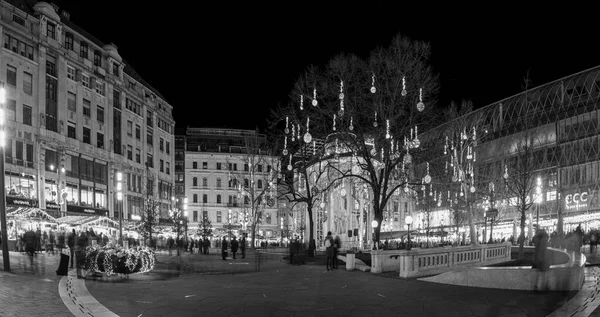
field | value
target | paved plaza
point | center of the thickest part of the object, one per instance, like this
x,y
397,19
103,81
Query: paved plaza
x,y
264,285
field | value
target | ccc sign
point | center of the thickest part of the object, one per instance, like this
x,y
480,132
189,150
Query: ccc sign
x,y
576,198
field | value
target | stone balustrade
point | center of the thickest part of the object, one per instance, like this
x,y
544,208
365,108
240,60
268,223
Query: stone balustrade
x,y
421,262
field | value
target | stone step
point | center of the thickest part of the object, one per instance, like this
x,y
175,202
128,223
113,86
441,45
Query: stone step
x,y
363,268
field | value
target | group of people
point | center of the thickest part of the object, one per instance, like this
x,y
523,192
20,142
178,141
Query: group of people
x,y
234,246
332,246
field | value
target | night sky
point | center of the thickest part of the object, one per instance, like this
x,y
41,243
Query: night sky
x,y
226,65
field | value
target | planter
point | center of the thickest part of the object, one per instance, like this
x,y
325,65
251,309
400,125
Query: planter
x,y
350,263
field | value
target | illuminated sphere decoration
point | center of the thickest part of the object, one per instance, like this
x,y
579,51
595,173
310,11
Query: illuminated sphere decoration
x,y
307,138
427,179
341,95
373,152
343,192
375,124
472,189
286,130
404,92
315,102
420,106
322,205
355,169
373,90
341,112
289,167
454,178
351,127
374,223
285,152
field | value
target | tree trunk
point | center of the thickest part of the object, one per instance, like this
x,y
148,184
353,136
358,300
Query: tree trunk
x,y
522,236
472,230
253,245
311,240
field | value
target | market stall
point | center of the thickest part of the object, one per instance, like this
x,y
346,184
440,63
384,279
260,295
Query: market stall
x,y
22,219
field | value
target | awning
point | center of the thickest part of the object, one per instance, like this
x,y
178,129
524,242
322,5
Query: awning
x,y
86,221
28,213
395,234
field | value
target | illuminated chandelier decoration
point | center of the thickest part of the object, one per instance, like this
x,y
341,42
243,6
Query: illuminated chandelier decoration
x,y
314,101
285,151
420,104
341,112
373,89
465,145
301,102
307,136
287,122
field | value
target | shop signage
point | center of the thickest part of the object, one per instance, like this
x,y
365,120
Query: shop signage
x,y
52,205
21,201
87,210
582,199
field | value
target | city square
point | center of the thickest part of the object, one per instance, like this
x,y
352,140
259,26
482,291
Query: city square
x,y
374,174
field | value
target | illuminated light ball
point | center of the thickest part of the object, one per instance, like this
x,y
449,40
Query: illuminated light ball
x,y
472,189
420,106
351,127
374,223
315,102
307,138
286,130
427,179
454,178
416,143
285,152
343,192
341,113
355,169
373,90
322,205
341,95
407,158
289,167
373,152
375,124
404,92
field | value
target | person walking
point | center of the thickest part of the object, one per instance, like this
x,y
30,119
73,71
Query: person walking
x,y
243,245
71,244
80,246
337,244
205,245
61,242
30,238
234,246
329,250
540,261
224,249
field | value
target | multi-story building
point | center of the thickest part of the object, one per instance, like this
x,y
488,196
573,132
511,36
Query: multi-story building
x,y
77,114
228,175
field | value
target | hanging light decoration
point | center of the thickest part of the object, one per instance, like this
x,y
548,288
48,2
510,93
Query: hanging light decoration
x,y
341,112
375,122
301,102
287,129
351,127
427,176
387,129
373,89
307,136
289,167
314,101
285,151
299,136
404,92
505,172
420,104
334,122
293,133
416,142
446,146
314,147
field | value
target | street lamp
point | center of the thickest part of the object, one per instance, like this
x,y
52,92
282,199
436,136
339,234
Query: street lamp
x,y
4,235
60,196
229,223
374,224
185,213
538,200
119,200
408,221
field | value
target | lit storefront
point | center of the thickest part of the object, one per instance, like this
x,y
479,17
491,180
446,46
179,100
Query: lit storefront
x,y
581,206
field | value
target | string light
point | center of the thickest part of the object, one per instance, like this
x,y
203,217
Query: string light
x,y
307,136
301,102
286,130
373,89
387,133
293,133
427,176
420,104
404,86
289,167
314,101
351,127
299,132
341,112
375,122
334,121
285,151
314,147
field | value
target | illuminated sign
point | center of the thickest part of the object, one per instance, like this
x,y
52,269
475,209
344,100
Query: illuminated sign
x,y
576,201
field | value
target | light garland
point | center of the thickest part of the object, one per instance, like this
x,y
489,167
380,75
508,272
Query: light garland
x,y
293,133
334,121
387,128
420,104
116,260
341,112
301,102
314,101
373,89
307,136
404,92
287,129
285,151
375,122
351,127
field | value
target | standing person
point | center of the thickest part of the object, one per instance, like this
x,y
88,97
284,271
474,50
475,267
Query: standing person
x,y
71,243
61,241
329,249
29,238
80,245
243,245
337,244
206,245
234,246
540,261
38,240
170,245
224,248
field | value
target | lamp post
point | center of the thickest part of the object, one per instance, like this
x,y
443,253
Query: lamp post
x,y
5,255
229,223
408,221
185,213
60,199
374,224
538,200
119,199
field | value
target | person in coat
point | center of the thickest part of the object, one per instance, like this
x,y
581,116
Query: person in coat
x,y
71,243
205,245
243,245
30,243
329,249
224,248
337,244
234,246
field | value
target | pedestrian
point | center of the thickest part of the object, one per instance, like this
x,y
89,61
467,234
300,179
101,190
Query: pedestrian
x,y
540,260
61,241
337,244
80,246
224,248
38,240
234,246
243,245
71,243
329,250
170,243
30,239
205,245
291,249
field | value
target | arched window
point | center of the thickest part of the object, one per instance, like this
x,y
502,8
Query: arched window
x,y
205,198
260,183
218,183
195,198
195,181
205,182
218,199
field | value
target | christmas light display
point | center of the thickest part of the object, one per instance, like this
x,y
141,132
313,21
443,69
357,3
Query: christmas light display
x,y
112,260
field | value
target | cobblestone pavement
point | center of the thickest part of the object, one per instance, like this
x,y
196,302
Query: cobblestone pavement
x,y
31,290
280,289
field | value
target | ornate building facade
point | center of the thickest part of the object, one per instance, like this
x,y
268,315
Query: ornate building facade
x,y
77,114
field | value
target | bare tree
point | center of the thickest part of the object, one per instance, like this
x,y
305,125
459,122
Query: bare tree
x,y
178,223
149,225
257,183
365,113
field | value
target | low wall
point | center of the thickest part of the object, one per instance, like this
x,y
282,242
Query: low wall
x,y
423,262
568,276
